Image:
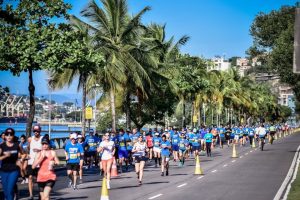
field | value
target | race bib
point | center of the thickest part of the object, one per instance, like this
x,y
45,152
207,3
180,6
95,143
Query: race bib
x,y
181,145
122,144
73,156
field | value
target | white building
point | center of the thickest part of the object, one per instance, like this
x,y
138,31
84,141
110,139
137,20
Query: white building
x,y
218,63
242,65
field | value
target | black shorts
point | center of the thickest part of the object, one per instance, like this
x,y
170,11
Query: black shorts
x,y
90,153
30,171
73,166
42,185
272,132
138,159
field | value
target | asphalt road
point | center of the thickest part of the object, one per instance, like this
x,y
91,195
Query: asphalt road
x,y
254,175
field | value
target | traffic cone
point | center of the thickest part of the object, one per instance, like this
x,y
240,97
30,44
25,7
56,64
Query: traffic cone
x,y
114,169
198,170
104,191
234,154
253,143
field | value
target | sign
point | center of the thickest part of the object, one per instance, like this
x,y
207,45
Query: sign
x,y
88,113
195,119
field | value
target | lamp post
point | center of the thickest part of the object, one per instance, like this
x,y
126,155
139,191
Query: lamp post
x,y
49,108
95,109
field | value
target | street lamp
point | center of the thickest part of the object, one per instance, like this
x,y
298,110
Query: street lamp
x,y
49,107
95,109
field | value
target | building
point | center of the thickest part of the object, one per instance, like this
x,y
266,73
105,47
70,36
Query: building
x,y
218,63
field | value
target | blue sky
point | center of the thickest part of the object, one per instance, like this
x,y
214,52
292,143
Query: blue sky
x,y
216,27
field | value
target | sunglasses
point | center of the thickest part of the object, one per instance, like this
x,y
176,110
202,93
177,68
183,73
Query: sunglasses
x,y
36,131
9,134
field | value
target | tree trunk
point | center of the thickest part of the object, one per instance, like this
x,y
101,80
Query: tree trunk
x,y
83,122
192,115
199,117
113,110
31,89
127,109
183,115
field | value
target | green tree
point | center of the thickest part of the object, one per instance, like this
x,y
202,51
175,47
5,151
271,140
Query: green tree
x,y
273,35
116,35
25,33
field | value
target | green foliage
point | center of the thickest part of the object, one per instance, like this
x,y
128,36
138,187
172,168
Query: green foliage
x,y
273,35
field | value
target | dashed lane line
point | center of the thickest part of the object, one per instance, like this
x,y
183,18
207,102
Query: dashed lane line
x,y
214,171
241,156
233,161
200,177
155,196
184,184
225,165
246,153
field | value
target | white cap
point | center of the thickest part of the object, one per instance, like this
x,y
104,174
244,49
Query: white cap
x,y
156,133
166,130
73,136
79,136
194,130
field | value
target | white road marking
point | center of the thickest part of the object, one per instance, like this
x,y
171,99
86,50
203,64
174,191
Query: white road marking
x,y
246,153
200,177
251,151
155,196
255,149
241,156
179,186
225,165
233,161
214,171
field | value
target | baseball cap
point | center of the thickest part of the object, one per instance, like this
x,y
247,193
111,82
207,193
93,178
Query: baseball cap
x,y
73,136
79,136
156,133
45,141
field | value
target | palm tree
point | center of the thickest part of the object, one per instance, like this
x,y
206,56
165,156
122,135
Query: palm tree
x,y
59,79
117,34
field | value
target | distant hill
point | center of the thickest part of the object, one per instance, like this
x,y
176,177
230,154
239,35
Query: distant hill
x,y
59,98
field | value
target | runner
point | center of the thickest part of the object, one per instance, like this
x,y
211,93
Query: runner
x,y
175,145
157,149
228,135
10,152
92,143
139,152
262,135
195,143
149,141
208,139
74,153
122,150
129,147
24,158
46,159
83,145
272,133
35,146
165,155
183,146
107,149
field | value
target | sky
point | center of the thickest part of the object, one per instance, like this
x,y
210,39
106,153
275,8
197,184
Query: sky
x,y
216,27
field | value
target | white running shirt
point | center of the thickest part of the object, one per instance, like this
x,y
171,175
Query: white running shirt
x,y
34,144
108,148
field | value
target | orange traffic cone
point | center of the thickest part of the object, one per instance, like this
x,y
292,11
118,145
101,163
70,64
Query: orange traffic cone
x,y
114,169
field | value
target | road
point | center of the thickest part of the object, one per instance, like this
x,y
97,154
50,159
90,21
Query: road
x,y
254,175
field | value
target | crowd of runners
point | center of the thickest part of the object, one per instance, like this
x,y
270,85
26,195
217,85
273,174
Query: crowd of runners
x,y
33,159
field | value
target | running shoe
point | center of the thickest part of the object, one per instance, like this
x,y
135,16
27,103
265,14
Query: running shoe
x,y
108,184
70,184
75,187
140,182
162,174
167,173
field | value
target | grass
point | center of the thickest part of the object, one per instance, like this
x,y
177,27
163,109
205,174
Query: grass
x,y
294,193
